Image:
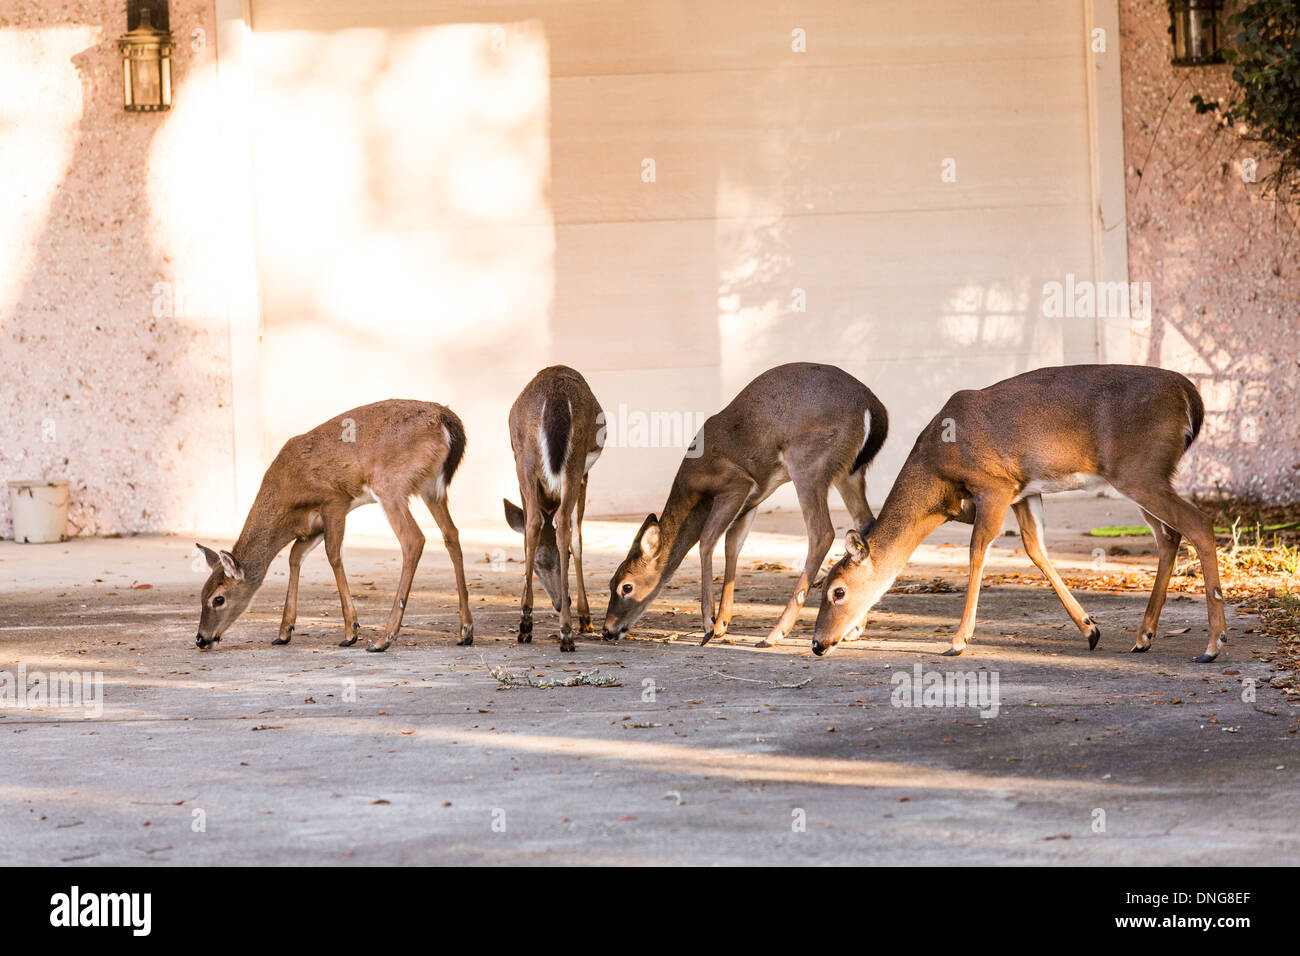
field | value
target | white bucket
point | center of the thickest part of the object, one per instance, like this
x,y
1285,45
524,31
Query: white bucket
x,y
40,510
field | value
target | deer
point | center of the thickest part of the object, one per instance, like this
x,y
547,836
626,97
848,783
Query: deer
x,y
384,452
1079,427
556,437
813,425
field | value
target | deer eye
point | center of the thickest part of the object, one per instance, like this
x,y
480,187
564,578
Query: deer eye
x,y
626,588
838,594
218,601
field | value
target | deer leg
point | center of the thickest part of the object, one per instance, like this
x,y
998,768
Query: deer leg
x,y
1167,542
736,535
852,489
412,541
563,542
533,518
821,535
990,512
300,550
726,507
1029,515
451,541
334,519
584,609
1164,504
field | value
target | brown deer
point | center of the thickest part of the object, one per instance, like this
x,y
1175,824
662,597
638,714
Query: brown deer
x,y
555,434
814,425
1054,429
384,452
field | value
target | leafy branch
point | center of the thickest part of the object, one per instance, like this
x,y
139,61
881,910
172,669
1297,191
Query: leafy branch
x,y
1264,51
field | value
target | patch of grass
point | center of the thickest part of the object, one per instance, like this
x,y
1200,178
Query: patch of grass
x,y
1121,531
1142,531
1279,614
1251,551
1283,612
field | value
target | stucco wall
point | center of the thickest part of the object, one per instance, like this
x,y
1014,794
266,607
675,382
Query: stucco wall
x,y
103,384
1224,278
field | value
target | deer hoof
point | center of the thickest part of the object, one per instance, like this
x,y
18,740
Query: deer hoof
x,y
584,625
954,651
1094,636
348,642
284,638
1139,648
566,641
380,647
466,635
1204,659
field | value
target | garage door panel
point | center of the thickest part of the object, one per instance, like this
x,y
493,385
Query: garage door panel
x,y
947,283
632,36
439,216
838,141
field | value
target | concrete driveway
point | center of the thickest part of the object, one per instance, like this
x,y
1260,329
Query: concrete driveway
x,y
313,754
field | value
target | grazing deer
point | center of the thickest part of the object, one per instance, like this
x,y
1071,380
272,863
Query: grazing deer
x,y
554,432
1054,429
384,452
815,425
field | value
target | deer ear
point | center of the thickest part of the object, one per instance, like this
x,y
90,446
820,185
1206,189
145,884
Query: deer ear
x,y
231,566
855,546
514,515
209,555
647,538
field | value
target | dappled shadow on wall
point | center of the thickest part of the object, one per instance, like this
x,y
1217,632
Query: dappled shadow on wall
x,y
105,385
404,230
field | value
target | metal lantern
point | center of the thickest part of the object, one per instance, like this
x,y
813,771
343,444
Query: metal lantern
x,y
1195,28
146,66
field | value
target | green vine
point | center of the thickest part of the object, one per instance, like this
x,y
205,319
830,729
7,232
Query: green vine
x,y
1263,47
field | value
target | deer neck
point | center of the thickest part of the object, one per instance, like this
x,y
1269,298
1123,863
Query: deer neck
x,y
680,525
917,504
266,531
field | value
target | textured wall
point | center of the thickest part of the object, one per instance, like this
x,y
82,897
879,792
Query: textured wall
x,y
1223,274
104,382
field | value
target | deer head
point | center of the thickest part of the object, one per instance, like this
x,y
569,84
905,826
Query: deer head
x,y
852,588
225,595
547,560
637,580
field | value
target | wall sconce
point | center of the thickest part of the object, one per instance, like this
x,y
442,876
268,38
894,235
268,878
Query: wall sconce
x,y
146,60
1194,25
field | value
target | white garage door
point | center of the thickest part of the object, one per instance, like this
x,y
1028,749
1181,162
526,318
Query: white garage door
x,y
670,197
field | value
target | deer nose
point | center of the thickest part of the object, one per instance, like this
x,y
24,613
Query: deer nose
x,y
818,649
